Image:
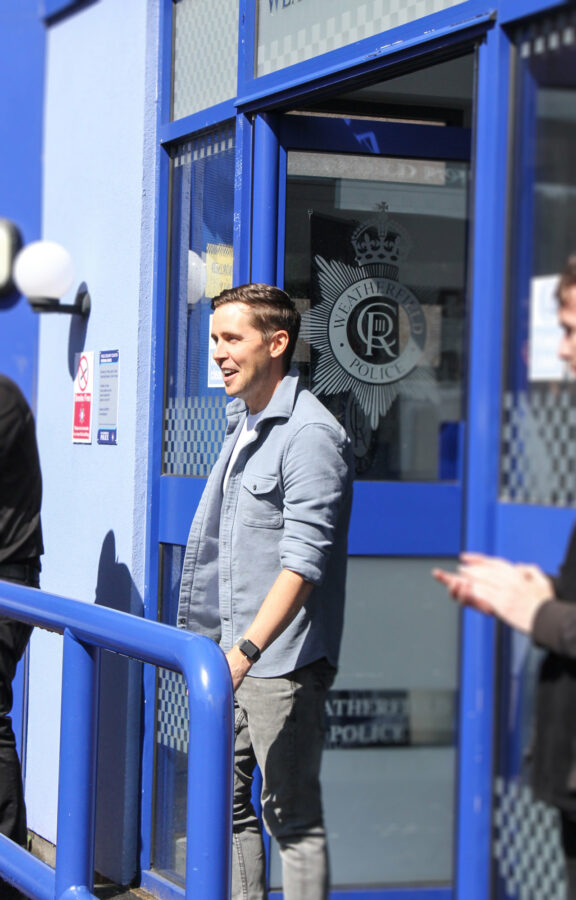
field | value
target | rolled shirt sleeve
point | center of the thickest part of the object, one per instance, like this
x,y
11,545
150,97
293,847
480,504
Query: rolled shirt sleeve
x,y
316,475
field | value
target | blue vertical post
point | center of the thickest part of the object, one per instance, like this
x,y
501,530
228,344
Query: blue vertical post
x,y
208,835
243,200
75,841
265,200
473,861
264,258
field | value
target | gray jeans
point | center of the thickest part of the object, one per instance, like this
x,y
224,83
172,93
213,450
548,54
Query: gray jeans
x,y
279,724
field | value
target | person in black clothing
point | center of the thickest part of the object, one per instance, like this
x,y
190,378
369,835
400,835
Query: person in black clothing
x,y
20,550
545,608
525,598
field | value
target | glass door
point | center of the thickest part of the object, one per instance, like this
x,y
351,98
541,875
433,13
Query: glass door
x,y
538,452
373,238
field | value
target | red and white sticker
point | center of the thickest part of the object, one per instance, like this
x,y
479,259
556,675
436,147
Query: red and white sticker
x,y
83,393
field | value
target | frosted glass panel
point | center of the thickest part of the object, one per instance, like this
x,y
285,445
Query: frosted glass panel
x,y
289,33
390,808
205,54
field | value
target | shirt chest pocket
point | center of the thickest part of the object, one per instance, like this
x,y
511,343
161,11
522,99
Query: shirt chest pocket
x,y
261,502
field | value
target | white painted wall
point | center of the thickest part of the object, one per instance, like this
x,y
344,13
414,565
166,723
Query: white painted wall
x,y
98,201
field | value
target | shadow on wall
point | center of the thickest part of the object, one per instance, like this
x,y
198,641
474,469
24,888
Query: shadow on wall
x,y
76,343
9,300
120,726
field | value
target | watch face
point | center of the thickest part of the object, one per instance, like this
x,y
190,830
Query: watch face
x,y
9,246
250,650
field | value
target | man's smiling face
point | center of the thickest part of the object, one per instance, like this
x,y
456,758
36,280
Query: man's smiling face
x,y
250,365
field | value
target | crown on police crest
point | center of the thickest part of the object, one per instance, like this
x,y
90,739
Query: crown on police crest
x,y
381,239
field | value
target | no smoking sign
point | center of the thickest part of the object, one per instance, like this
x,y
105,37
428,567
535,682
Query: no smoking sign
x,y
83,392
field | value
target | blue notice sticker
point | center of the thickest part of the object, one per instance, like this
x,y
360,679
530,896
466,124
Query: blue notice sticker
x,y
107,436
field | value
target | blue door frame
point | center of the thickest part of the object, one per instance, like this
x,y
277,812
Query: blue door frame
x,y
428,518
474,510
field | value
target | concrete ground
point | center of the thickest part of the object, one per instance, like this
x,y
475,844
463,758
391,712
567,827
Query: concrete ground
x,y
113,892
104,890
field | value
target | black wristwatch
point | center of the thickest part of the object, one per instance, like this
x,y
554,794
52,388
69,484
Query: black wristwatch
x,y
249,649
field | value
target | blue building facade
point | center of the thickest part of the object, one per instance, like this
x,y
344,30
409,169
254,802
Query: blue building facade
x,y
406,172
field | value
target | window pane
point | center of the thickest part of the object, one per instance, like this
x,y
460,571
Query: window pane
x,y
289,33
390,763
171,769
200,267
375,255
205,58
539,428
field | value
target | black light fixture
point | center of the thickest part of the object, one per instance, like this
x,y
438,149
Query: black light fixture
x,y
43,272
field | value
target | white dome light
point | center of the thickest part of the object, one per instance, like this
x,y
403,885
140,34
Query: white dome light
x,y
44,269
196,277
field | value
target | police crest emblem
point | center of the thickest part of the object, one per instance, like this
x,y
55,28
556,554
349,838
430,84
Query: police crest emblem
x,y
368,328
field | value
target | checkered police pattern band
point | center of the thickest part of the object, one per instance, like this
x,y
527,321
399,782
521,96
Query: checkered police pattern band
x,y
194,428
204,146
547,34
172,711
289,33
539,448
205,54
527,844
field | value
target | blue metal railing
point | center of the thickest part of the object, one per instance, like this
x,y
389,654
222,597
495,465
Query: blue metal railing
x,y
86,629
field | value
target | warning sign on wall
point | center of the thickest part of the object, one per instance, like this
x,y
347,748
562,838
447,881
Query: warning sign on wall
x,y
83,392
108,397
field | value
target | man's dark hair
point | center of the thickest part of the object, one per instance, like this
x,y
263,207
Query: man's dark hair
x,y
271,310
567,279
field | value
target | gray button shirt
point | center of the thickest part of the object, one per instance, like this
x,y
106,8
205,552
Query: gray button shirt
x,y
286,506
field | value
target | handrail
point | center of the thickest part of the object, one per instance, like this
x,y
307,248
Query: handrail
x,y
87,628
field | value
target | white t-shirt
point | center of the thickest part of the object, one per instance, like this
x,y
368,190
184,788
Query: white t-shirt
x,y
246,434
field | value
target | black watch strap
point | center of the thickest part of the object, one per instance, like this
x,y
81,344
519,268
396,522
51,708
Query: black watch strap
x,y
249,649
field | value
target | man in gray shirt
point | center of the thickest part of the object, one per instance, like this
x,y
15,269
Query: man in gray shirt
x,y
264,575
